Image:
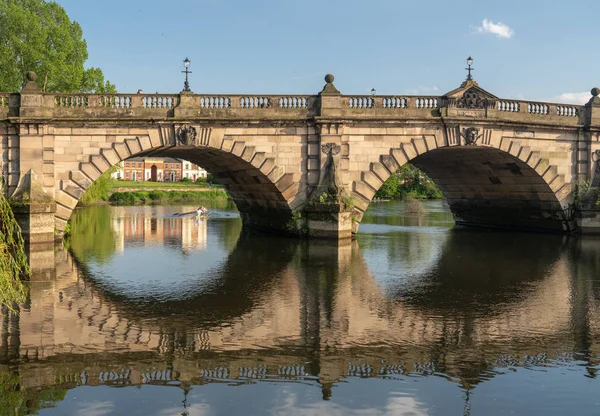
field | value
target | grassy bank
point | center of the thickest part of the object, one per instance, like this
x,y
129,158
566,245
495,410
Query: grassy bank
x,y
153,185
167,196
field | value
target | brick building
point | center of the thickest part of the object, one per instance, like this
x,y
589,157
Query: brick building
x,y
158,169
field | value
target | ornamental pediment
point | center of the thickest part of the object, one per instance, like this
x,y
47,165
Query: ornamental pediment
x,y
470,96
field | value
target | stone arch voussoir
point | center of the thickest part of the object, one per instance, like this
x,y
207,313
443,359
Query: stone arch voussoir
x,y
70,190
286,185
364,189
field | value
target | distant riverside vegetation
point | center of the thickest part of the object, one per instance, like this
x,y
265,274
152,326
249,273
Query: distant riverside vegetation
x,y
409,183
106,188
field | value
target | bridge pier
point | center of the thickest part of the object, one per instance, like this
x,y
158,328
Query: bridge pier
x,y
34,210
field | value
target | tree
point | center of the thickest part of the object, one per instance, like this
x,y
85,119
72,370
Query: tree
x,y
37,35
409,182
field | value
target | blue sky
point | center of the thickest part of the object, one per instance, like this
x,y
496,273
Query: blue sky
x,y
531,49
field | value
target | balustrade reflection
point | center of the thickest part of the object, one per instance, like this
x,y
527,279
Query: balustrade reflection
x,y
315,312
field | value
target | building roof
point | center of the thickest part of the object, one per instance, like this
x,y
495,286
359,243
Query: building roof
x,y
164,159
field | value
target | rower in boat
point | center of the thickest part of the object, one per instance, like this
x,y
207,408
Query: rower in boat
x,y
201,212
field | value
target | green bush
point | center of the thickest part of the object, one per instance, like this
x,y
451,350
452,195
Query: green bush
x,y
186,180
100,189
171,196
142,196
122,198
157,195
408,182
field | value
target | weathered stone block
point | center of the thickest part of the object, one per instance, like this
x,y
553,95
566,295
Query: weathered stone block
x,y
111,156
364,190
100,163
65,199
80,179
380,170
133,145
401,157
372,180
122,150
390,163
90,171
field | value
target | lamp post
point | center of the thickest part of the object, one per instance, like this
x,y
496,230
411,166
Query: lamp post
x,y
186,84
373,92
469,63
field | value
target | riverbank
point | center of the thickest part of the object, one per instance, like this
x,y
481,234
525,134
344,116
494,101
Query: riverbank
x,y
119,186
161,196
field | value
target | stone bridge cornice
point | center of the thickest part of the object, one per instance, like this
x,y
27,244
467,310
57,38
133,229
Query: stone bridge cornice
x,y
30,106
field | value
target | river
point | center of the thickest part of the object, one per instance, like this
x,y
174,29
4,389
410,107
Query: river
x,y
149,313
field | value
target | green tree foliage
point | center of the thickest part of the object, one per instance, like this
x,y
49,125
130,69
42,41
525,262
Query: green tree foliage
x,y
15,400
101,188
37,35
92,236
409,182
13,260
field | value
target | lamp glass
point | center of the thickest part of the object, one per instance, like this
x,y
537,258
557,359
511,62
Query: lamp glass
x,y
186,62
469,61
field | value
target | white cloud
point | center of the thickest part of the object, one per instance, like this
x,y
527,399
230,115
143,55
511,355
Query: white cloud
x,y
498,29
96,408
573,98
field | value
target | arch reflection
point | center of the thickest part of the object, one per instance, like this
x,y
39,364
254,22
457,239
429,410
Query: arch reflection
x,y
286,310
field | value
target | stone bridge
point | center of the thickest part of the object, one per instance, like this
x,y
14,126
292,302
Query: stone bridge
x,y
310,164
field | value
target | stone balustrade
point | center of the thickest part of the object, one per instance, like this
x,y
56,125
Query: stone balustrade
x,y
287,106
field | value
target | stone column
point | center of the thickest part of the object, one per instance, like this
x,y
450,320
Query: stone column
x,y
329,208
588,166
32,200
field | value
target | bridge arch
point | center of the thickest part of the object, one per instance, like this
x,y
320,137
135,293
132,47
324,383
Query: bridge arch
x,y
497,183
262,190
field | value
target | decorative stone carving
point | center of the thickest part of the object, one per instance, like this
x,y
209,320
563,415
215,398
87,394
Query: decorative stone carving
x,y
330,148
470,135
471,99
333,188
330,190
596,174
186,135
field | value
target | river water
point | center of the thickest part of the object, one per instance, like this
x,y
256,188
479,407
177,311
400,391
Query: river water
x,y
149,313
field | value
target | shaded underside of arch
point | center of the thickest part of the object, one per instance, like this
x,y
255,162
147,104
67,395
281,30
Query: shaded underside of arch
x,y
250,186
257,187
261,190
484,186
489,187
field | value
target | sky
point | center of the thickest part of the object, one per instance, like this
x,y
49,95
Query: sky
x,y
522,49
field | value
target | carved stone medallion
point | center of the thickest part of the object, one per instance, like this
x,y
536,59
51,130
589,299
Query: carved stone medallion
x,y
471,99
186,135
470,135
330,148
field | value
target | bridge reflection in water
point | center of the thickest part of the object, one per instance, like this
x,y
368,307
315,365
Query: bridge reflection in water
x,y
312,312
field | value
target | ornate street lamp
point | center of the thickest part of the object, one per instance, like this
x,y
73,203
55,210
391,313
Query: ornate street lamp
x,y
469,63
373,92
186,84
